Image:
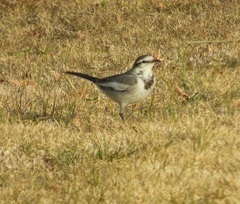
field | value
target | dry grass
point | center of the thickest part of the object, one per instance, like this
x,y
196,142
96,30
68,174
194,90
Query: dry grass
x,y
62,141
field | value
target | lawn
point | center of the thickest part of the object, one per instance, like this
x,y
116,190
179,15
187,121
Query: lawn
x,y
62,140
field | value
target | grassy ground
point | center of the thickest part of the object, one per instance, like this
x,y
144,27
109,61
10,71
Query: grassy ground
x,y
62,141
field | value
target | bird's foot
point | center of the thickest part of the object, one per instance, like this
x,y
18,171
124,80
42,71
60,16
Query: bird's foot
x,y
122,117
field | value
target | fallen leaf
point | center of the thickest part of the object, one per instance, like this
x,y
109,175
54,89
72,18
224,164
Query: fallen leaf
x,y
83,92
158,56
182,93
57,75
2,80
237,103
23,83
161,5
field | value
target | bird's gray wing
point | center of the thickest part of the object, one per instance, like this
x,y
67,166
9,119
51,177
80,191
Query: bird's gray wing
x,y
118,82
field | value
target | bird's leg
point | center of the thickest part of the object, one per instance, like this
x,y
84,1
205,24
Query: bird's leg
x,y
121,112
121,115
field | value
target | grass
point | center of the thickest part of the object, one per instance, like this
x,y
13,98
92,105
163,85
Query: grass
x,y
62,141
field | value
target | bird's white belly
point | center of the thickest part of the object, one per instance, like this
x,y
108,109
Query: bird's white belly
x,y
139,92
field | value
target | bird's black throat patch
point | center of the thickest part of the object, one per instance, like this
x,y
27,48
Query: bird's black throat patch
x,y
148,83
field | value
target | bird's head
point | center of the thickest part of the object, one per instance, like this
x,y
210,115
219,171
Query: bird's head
x,y
145,62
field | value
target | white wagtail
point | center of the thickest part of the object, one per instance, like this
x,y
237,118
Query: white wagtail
x,y
129,87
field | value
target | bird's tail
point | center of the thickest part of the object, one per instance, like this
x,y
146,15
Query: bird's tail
x,y
84,76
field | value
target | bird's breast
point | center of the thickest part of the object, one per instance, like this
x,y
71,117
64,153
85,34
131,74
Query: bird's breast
x,y
143,88
149,82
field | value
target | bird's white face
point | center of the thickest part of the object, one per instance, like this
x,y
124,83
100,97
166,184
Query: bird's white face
x,y
144,59
145,62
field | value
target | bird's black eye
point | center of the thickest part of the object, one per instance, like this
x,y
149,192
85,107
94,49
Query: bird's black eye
x,y
144,61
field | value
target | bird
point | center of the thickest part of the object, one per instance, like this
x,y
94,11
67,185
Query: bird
x,y
127,88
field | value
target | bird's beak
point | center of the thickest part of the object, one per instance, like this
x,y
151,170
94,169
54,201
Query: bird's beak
x,y
156,61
